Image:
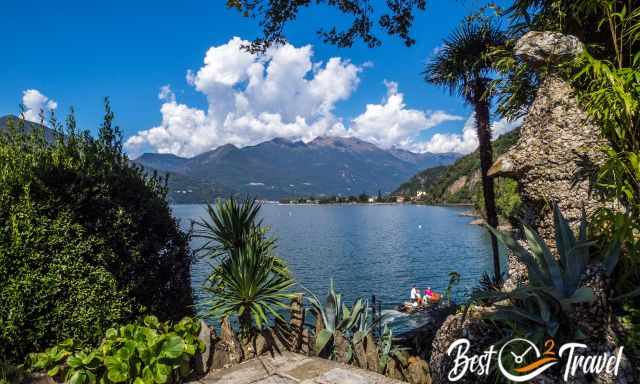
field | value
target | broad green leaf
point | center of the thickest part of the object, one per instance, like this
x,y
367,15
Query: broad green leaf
x,y
112,333
161,373
565,240
582,295
536,276
53,371
74,361
172,347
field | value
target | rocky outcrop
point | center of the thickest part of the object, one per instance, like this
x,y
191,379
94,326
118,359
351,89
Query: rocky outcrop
x,y
227,350
480,333
558,148
457,185
203,359
540,48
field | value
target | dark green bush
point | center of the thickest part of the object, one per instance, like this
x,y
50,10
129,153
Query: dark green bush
x,y
87,240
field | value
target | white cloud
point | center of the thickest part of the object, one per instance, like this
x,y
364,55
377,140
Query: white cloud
x,y
283,93
251,99
392,123
34,103
466,142
166,94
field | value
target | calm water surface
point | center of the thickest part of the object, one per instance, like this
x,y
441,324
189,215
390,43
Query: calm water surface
x,y
368,249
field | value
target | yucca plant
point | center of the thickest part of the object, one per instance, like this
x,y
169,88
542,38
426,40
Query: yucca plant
x,y
248,284
554,284
230,223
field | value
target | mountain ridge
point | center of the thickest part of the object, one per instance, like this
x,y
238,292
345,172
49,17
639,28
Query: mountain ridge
x,y
277,168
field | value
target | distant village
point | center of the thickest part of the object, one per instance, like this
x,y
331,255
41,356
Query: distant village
x,y
359,199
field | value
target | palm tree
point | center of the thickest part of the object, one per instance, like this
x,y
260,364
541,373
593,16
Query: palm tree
x,y
463,66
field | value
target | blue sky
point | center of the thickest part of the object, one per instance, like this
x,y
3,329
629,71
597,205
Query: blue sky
x,y
76,53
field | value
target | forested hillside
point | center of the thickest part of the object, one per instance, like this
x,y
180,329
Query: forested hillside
x,y
459,183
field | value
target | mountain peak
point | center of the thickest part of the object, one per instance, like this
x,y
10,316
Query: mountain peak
x,y
281,141
343,143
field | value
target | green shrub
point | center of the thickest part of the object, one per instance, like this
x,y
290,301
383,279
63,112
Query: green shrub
x,y
87,240
143,354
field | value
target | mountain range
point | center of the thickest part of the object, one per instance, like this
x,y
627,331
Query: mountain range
x,y
49,133
281,168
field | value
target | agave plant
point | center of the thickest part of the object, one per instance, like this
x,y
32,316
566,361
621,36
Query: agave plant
x,y
554,284
454,279
337,318
248,284
388,350
353,324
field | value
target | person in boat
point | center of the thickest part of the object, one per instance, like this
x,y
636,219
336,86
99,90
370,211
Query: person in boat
x,y
415,296
428,294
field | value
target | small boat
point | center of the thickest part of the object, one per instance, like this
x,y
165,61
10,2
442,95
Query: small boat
x,y
409,307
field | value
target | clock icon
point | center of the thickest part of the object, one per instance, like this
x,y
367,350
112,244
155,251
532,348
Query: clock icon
x,y
526,357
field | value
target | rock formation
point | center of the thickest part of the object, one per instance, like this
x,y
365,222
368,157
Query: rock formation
x,y
227,350
558,148
203,360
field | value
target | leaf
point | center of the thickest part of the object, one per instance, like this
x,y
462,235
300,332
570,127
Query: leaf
x,y
565,240
74,362
161,373
535,274
112,333
612,256
323,338
77,378
117,371
152,322
540,249
172,347
53,371
582,295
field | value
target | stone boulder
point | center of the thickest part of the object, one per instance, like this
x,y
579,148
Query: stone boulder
x,y
598,323
227,350
418,371
538,48
203,359
393,370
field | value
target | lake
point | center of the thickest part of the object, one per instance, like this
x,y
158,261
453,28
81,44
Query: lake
x,y
369,249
